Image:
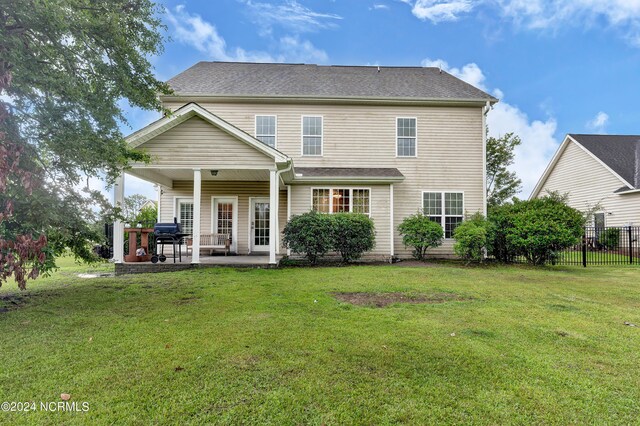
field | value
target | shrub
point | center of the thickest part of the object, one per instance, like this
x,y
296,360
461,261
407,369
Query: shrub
x,y
471,238
609,239
308,234
352,235
421,233
535,229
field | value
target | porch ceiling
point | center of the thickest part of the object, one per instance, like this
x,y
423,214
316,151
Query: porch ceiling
x,y
166,177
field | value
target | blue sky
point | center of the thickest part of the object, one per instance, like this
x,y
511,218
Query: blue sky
x,y
562,66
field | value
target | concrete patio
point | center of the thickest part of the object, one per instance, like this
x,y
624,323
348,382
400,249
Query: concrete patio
x,y
247,261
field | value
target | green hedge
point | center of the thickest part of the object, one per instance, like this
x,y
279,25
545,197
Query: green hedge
x,y
315,234
420,233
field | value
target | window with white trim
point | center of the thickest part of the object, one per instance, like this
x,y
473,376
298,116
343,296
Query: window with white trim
x,y
406,137
266,129
311,135
338,200
185,215
445,208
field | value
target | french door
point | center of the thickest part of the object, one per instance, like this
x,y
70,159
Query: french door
x,y
225,218
259,210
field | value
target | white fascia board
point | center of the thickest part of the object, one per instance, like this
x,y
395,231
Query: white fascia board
x,y
192,110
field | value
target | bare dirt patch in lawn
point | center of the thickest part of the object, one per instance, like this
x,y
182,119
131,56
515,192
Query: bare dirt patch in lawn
x,y
381,300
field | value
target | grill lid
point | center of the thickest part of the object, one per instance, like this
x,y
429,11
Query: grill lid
x,y
168,228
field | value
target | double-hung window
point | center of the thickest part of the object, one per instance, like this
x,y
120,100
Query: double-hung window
x,y
339,200
185,214
445,208
406,143
266,129
311,135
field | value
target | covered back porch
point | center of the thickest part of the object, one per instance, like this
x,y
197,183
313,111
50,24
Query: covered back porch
x,y
215,180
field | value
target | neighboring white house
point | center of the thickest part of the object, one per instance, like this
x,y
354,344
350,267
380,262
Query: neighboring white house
x,y
597,170
248,145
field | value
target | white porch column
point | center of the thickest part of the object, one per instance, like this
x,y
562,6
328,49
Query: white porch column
x,y
197,195
118,225
273,216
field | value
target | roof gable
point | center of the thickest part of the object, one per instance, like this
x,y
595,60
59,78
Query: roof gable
x,y
315,81
621,153
192,110
601,150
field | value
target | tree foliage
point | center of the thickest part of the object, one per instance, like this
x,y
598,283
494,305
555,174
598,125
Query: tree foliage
x,y
309,234
421,233
535,229
502,184
66,69
471,238
132,207
352,235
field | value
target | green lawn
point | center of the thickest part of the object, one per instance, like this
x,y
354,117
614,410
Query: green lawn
x,y
274,347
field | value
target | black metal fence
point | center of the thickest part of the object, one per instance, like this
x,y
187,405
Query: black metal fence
x,y
603,246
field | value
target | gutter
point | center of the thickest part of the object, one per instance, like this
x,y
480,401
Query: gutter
x,y
196,97
485,111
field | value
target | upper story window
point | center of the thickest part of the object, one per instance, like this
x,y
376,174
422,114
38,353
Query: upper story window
x,y
339,200
266,129
406,137
311,135
446,208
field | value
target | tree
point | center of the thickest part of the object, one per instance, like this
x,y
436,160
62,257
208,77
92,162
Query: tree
x,y
421,233
66,69
502,184
147,216
534,229
132,206
352,235
471,238
309,234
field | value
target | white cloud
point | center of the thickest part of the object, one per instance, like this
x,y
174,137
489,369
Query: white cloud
x,y
538,136
598,123
296,50
543,15
471,73
538,141
441,10
192,30
291,15
379,7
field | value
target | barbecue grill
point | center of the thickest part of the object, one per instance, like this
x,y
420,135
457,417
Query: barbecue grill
x,y
168,233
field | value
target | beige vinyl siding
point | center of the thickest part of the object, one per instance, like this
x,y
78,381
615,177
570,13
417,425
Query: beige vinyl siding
x,y
588,183
243,190
449,141
196,143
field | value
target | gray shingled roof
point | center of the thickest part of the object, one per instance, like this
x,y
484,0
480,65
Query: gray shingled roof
x,y
319,81
348,172
620,152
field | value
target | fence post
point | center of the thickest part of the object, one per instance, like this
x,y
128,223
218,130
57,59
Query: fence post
x,y
584,248
630,245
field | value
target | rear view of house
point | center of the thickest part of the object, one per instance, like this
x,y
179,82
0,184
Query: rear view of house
x,y
600,173
249,145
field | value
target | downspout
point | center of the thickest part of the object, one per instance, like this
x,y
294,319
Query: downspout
x,y
278,177
485,111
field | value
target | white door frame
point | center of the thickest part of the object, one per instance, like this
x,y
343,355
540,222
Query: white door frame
x,y
252,247
214,217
